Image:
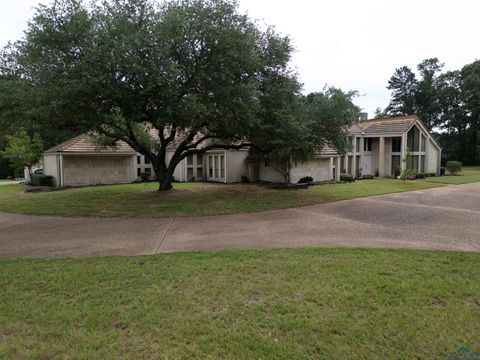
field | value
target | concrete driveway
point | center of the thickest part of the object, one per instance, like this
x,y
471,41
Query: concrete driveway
x,y
446,218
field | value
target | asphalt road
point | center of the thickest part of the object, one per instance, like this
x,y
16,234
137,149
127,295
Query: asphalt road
x,y
446,218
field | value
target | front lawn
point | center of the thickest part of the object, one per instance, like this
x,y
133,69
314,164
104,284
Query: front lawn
x,y
469,174
289,304
187,199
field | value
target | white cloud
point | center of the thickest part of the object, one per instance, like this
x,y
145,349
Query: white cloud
x,y
346,43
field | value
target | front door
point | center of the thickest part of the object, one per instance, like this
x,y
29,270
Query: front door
x,y
216,168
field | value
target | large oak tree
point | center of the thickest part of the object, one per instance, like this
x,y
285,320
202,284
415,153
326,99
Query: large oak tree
x,y
195,74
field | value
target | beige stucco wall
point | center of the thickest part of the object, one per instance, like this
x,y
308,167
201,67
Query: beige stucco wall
x,y
268,173
91,170
236,165
318,169
50,167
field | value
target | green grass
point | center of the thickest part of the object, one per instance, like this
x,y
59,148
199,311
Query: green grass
x,y
187,199
290,304
469,174
199,199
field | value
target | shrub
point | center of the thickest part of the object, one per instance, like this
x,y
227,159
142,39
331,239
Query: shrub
x,y
454,167
191,179
244,179
420,176
305,180
43,180
407,174
442,171
377,173
145,176
346,177
397,171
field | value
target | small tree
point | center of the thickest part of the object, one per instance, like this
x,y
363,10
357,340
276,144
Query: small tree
x,y
453,167
406,173
23,151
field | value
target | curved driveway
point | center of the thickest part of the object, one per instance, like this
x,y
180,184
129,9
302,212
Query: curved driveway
x,y
446,218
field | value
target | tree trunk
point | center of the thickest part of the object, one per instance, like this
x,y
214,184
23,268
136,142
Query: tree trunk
x,y
165,178
30,173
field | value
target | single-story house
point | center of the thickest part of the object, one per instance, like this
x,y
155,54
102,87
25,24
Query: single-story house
x,y
377,146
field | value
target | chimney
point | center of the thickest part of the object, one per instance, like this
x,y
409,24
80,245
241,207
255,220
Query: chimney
x,y
363,116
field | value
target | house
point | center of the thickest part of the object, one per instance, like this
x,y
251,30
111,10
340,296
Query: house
x,y
377,147
80,162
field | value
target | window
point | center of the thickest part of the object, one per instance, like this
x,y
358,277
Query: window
x,y
189,173
413,138
210,166
216,165
395,164
367,144
139,160
422,163
199,173
190,160
147,160
423,142
396,144
222,167
199,160
139,171
357,145
148,171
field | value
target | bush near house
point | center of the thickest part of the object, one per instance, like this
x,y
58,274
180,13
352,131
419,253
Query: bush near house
x,y
453,167
145,176
305,180
346,177
43,180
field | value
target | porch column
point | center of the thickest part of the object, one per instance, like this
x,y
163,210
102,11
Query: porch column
x,y
354,159
362,140
381,157
403,152
338,168
330,169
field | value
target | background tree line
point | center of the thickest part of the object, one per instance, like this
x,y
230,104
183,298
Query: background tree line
x,y
447,102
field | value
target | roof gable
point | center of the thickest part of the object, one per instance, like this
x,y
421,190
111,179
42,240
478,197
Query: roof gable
x,y
397,124
83,144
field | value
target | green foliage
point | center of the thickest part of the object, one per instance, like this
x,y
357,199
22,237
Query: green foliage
x,y
453,167
244,179
296,130
198,74
346,177
22,151
397,171
449,101
42,180
305,180
195,70
145,176
406,173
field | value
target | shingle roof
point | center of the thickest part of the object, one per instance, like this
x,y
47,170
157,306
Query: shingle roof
x,y
397,124
83,144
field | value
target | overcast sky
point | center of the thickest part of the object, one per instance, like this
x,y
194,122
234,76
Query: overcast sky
x,y
351,44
